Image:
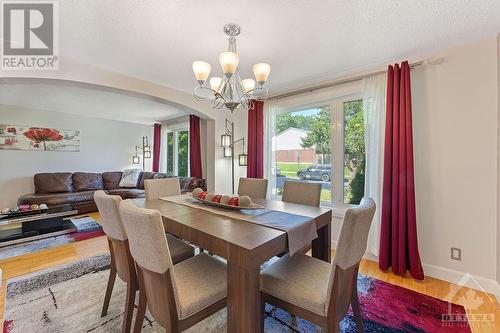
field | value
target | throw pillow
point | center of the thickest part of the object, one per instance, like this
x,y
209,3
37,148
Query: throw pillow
x,y
130,177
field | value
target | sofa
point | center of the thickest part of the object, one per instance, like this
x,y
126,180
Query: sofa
x,y
77,189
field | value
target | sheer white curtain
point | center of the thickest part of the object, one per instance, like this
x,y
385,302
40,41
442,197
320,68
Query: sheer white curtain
x,y
374,96
163,147
270,111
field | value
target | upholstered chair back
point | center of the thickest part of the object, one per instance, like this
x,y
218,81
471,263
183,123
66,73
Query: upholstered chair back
x,y
159,188
149,248
110,217
146,237
303,193
352,241
255,188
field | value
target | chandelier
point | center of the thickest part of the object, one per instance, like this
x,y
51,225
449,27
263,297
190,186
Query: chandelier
x,y
230,90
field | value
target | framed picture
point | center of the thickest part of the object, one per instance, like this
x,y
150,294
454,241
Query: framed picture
x,y
16,137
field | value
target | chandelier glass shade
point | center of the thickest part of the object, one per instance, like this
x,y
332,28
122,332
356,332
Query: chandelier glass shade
x,y
229,90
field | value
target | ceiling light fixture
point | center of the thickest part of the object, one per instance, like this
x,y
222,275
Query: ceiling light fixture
x,y
230,90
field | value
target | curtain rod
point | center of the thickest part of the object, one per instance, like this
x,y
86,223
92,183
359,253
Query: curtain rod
x,y
338,82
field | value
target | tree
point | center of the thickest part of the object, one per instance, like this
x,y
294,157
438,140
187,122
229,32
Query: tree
x,y
183,138
354,134
354,158
286,120
319,133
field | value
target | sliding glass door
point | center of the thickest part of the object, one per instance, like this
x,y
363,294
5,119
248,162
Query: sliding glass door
x,y
178,152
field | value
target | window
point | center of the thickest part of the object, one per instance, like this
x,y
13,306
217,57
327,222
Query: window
x,y
303,149
354,152
178,152
322,144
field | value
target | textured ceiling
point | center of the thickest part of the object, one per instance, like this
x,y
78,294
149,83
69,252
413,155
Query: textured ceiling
x,y
87,102
304,41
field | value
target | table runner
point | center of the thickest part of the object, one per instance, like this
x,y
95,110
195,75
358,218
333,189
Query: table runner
x,y
301,230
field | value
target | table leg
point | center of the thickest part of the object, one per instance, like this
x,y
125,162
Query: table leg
x,y
321,245
243,299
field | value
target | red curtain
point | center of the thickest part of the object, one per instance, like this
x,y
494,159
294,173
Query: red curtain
x,y
398,234
194,147
156,147
255,162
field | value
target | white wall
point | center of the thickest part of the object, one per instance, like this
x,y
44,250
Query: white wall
x,y
455,147
223,165
106,145
498,159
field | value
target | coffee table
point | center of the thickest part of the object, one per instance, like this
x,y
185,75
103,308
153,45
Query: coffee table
x,y
55,221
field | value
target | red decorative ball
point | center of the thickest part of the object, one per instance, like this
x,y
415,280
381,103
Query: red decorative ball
x,y
217,198
233,201
202,195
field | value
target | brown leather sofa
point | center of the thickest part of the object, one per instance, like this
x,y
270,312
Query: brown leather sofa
x,y
77,189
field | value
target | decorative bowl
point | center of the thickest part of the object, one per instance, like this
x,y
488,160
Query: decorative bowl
x,y
253,205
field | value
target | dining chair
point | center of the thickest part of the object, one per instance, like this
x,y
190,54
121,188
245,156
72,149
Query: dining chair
x,y
160,188
316,290
302,193
177,296
122,262
255,188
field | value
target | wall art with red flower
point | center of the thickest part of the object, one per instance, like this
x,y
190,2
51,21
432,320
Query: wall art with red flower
x,y
38,138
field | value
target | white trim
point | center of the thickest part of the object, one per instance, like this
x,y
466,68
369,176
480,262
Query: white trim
x,y
450,275
175,129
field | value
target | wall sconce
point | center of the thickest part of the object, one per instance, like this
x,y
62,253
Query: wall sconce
x,y
227,152
242,159
227,143
135,158
146,152
225,140
146,147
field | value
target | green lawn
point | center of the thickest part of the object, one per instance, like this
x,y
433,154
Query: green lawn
x,y
290,169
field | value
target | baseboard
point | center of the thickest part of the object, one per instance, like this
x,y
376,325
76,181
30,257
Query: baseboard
x,y
463,279
453,276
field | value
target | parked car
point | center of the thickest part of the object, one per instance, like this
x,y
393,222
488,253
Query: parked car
x,y
317,172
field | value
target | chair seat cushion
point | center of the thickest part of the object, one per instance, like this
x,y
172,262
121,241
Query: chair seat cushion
x,y
179,249
300,280
201,281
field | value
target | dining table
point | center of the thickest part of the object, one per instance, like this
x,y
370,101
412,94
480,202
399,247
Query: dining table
x,y
244,245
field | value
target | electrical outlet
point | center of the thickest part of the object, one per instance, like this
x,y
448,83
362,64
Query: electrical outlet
x,y
456,253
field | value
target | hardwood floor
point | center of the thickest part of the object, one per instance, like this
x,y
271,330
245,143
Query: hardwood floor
x,y
87,248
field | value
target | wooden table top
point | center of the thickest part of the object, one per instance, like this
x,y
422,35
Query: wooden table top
x,y
243,234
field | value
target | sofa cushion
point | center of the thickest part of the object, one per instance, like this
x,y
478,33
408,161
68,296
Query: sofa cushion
x,y
130,178
127,193
83,181
150,175
188,184
57,199
111,179
55,182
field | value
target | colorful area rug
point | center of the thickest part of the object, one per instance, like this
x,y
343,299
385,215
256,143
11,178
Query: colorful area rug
x,y
69,299
87,228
